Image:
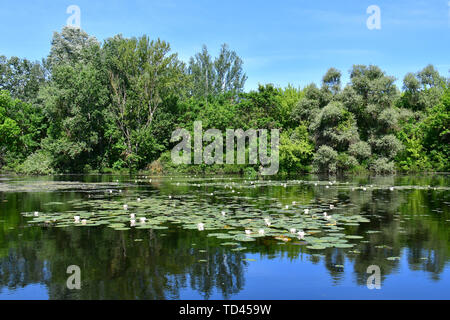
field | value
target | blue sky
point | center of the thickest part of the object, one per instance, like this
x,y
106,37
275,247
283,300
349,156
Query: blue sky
x,y
281,42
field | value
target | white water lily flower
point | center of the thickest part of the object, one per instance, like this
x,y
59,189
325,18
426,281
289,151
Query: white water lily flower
x,y
138,199
306,211
200,226
142,220
248,232
224,213
287,207
293,203
331,206
301,234
261,231
132,216
292,230
267,221
36,213
327,187
391,188
364,188
77,219
125,207
132,223
84,221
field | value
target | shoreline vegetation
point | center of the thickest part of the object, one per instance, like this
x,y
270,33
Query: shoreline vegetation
x,y
111,107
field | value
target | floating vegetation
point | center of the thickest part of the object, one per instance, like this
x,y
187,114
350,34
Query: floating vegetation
x,y
393,258
235,219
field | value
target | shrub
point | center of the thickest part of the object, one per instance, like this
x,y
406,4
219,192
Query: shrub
x,y
346,162
387,146
382,166
38,163
360,150
325,160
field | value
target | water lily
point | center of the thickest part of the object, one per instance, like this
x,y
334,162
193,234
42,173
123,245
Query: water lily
x,y
248,232
132,216
391,188
287,207
267,221
36,213
261,231
331,206
84,221
292,230
142,220
138,199
125,207
224,213
77,219
293,203
301,234
306,211
327,187
200,226
132,222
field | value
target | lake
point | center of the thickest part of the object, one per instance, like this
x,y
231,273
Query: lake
x,y
225,237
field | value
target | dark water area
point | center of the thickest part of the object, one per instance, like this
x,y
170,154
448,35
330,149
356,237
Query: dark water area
x,y
406,236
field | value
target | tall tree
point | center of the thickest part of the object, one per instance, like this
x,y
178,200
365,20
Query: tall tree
x,y
142,75
224,74
68,46
21,77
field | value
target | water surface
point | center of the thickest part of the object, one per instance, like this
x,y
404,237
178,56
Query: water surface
x,y
409,225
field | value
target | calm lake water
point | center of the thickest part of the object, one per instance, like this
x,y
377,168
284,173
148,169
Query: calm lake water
x,y
405,232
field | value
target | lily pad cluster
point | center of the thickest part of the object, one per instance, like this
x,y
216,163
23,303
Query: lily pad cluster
x,y
237,220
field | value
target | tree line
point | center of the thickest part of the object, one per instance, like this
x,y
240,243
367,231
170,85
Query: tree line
x,y
112,106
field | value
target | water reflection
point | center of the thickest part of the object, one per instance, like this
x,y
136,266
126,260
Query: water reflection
x,y
171,264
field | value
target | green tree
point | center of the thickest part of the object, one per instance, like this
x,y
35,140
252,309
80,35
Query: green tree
x,y
142,75
224,74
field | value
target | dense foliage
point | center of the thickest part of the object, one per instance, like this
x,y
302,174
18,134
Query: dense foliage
x,y
94,106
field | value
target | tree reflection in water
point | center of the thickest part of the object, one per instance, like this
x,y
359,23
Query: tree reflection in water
x,y
160,264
